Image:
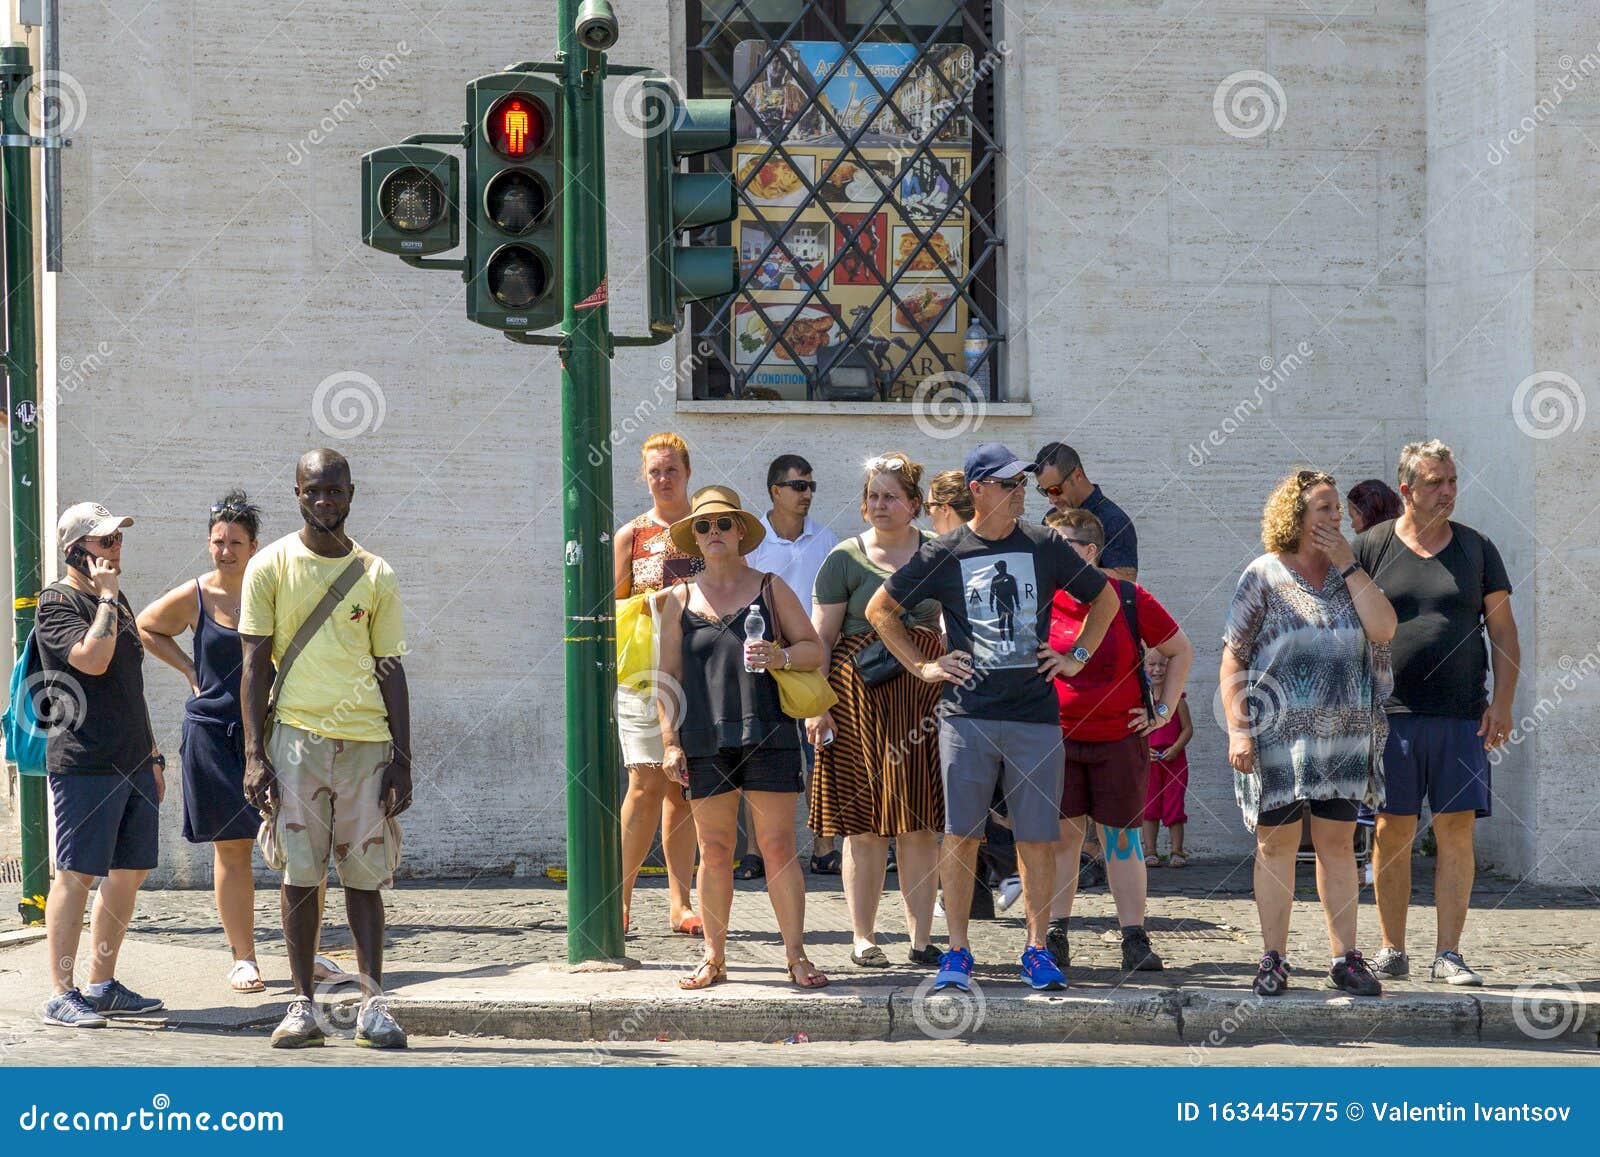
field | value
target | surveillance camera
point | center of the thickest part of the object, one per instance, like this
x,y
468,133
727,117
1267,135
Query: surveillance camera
x,y
597,25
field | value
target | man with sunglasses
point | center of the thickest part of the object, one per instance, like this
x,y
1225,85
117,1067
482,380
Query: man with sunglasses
x,y
794,548
999,717
106,776
1060,477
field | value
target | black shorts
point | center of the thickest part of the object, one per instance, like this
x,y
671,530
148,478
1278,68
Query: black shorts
x,y
744,769
1342,811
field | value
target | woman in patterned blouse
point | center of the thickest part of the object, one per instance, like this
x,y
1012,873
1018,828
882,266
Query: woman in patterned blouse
x,y
1305,671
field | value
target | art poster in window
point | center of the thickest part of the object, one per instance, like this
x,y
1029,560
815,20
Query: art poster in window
x,y
886,214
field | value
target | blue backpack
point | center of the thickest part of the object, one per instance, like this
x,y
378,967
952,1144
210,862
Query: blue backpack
x,y
25,738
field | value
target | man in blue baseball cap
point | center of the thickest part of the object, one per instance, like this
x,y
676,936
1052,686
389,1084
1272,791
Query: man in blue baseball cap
x,y
995,577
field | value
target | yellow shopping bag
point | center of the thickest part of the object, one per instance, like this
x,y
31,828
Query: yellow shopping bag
x,y
636,642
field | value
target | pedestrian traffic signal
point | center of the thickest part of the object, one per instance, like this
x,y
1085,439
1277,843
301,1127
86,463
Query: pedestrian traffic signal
x,y
513,262
409,200
676,200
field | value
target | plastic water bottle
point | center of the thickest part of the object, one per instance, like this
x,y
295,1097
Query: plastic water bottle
x,y
755,630
976,349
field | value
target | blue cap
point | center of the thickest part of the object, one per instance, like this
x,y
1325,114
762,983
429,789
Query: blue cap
x,y
992,460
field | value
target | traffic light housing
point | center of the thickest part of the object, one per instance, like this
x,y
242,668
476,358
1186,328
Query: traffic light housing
x,y
513,210
676,200
410,200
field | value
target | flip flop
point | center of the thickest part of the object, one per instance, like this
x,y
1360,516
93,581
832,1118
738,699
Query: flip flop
x,y
871,957
1152,861
705,974
1177,860
323,969
692,925
245,976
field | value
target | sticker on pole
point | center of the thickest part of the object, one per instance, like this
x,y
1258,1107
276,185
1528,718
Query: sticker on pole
x,y
595,299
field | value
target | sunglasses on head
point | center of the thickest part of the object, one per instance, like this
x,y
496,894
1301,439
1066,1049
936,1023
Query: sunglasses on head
x,y
229,508
799,485
703,525
1007,483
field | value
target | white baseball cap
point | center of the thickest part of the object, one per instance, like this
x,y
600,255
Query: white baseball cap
x,y
87,520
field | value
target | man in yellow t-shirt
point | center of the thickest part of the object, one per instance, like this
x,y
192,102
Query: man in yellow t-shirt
x,y
336,769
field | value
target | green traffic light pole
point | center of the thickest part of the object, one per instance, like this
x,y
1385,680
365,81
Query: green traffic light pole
x,y
594,853
22,416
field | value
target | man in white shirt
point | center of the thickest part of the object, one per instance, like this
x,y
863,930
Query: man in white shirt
x,y
793,549
795,545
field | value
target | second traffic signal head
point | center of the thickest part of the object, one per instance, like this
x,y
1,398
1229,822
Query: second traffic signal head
x,y
409,200
513,210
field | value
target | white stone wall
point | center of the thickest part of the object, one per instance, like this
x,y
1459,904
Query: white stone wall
x,y
1158,269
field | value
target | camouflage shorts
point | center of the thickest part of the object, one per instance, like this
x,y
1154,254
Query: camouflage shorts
x,y
328,803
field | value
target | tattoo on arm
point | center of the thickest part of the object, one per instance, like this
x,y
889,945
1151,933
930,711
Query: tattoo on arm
x,y
104,625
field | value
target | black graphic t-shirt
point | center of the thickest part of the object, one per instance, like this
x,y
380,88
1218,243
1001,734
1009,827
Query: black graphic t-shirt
x,y
996,597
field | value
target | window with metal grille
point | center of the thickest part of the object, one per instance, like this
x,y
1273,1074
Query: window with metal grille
x,y
865,173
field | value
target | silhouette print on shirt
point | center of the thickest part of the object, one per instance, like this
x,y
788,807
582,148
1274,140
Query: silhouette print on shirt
x,y
1002,608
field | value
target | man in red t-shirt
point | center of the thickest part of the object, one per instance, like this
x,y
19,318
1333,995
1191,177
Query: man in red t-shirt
x,y
1106,724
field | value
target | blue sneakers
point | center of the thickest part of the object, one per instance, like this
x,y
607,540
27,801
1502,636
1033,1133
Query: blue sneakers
x,y
115,997
1039,971
955,971
71,1010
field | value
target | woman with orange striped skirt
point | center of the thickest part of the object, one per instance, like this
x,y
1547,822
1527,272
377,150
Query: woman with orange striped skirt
x,y
877,764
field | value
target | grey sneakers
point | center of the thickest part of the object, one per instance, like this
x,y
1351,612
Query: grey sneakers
x,y
376,1028
72,1010
1450,968
299,1028
1391,964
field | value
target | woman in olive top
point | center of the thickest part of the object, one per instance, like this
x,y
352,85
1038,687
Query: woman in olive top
x,y
877,777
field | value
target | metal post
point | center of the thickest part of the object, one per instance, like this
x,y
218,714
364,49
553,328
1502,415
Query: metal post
x,y
22,419
594,853
51,124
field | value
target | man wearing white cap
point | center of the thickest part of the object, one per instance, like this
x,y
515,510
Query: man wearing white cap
x,y
106,776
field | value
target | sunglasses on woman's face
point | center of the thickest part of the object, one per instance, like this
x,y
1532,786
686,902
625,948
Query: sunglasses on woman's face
x,y
798,485
703,525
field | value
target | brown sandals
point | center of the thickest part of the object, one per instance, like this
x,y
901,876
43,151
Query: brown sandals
x,y
705,974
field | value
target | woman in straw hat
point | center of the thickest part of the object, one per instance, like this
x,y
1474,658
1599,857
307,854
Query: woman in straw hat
x,y
723,729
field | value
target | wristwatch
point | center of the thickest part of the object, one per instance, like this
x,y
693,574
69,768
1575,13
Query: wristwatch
x,y
1350,570
1080,654
158,761
787,661
1162,711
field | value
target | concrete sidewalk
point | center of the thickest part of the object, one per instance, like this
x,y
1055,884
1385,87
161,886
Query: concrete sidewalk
x,y
487,957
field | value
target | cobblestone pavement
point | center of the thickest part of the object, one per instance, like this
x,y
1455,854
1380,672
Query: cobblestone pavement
x,y
1201,918
27,1042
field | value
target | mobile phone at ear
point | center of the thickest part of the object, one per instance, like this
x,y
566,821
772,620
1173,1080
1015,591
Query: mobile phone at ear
x,y
78,558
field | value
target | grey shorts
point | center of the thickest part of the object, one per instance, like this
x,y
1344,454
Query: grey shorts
x,y
975,754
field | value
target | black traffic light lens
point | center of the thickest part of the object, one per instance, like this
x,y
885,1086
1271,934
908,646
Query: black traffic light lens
x,y
411,200
516,201
517,276
516,126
